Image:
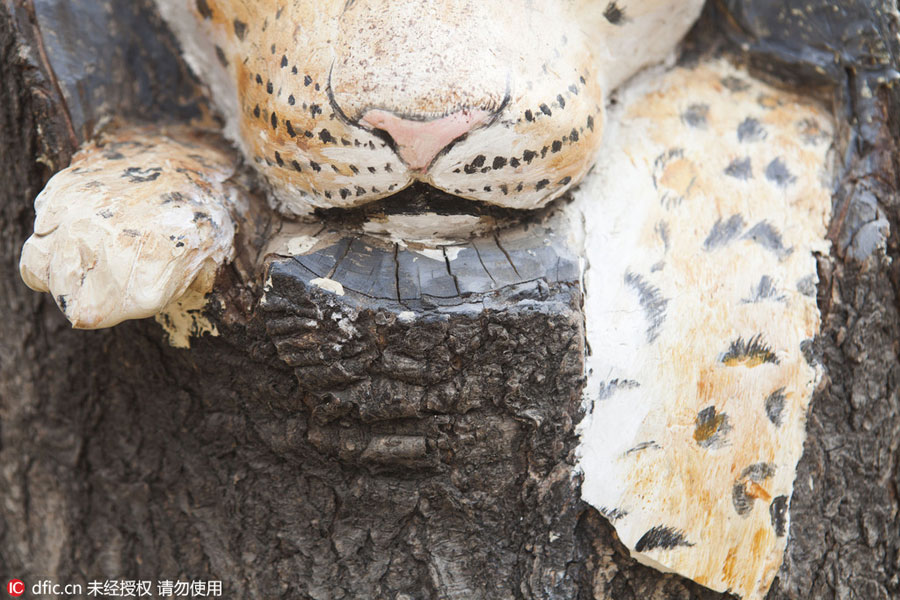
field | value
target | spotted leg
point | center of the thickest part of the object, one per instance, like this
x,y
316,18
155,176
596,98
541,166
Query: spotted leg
x,y
130,224
700,303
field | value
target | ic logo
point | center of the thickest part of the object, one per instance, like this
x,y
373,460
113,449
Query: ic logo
x,y
15,587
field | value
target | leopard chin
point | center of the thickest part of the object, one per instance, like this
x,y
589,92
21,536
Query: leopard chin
x,y
339,104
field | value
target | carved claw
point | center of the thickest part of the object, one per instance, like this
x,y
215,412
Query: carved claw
x,y
130,224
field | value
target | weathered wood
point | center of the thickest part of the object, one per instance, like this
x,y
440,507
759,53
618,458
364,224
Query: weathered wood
x,y
112,60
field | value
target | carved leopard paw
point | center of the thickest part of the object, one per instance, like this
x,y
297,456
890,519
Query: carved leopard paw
x,y
130,224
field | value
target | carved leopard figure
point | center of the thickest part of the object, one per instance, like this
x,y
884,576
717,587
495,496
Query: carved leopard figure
x,y
708,194
341,103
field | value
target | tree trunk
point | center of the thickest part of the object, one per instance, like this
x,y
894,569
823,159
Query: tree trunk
x,y
412,437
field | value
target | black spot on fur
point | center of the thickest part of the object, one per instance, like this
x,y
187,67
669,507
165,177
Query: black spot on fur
x,y
296,166
315,166
326,137
775,406
284,61
565,180
750,131
557,146
290,129
529,156
753,351
695,115
740,168
529,116
240,29
778,514
777,172
278,159
307,80
545,109
561,101
204,9
759,472
613,514
166,198
652,302
614,14
711,428
723,233
765,234
643,446
499,163
608,388
220,54
138,175
662,229
475,165
764,290
542,184
344,193
661,537
742,502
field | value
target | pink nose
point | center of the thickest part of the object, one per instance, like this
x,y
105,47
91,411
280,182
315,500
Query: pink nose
x,y
418,142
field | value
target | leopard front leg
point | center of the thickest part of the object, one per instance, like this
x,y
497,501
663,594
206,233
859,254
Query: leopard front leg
x,y
131,223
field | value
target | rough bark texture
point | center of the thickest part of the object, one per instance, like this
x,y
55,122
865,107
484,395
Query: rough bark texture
x,y
404,440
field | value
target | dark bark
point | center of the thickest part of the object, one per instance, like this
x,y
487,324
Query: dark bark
x,y
330,446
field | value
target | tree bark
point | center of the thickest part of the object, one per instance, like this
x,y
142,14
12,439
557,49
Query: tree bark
x,y
414,436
